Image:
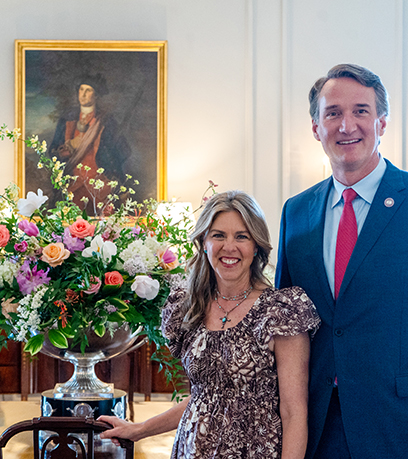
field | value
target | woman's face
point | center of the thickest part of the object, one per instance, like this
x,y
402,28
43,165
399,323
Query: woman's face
x,y
230,249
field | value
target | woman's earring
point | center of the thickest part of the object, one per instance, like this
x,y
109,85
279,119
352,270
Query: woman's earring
x,y
205,250
255,253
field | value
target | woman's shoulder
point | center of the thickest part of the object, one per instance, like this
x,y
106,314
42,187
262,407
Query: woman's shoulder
x,y
294,296
287,311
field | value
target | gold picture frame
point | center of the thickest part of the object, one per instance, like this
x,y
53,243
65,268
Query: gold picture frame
x,y
129,79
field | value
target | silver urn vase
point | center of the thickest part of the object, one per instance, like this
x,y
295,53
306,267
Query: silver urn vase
x,y
84,384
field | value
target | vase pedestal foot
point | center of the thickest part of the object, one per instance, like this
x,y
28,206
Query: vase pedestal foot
x,y
80,407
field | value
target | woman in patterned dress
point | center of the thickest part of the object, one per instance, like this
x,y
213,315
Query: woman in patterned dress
x,y
244,346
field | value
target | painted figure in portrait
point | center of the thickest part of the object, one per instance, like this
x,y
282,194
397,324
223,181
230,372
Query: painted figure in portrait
x,y
88,136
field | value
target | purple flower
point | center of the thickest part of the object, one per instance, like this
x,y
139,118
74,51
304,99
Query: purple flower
x,y
29,279
136,231
21,246
73,243
110,308
29,228
56,237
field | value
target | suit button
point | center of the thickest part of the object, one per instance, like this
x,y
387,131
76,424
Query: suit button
x,y
329,381
338,332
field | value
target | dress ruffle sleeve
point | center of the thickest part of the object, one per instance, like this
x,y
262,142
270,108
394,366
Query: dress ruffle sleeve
x,y
172,318
286,312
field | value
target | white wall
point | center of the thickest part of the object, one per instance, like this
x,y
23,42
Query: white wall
x,y
238,77
320,35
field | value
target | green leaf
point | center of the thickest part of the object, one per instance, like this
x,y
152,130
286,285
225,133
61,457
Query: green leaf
x,y
68,331
58,339
100,330
99,303
3,342
110,288
135,317
119,304
84,344
116,317
34,344
9,247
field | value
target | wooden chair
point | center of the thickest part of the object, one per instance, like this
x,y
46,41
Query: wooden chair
x,y
60,434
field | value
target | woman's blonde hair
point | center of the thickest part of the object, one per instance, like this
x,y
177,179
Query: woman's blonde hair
x,y
201,281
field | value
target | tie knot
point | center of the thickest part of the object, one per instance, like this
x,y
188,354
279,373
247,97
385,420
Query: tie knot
x,y
349,194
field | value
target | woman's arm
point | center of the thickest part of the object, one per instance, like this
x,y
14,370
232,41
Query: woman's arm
x,y
292,363
161,423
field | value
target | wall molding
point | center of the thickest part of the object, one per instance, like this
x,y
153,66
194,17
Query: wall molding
x,y
285,103
249,97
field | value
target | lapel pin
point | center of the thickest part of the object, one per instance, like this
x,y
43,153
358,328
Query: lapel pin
x,y
389,202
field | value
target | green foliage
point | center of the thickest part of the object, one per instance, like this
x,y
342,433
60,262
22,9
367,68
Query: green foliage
x,y
57,339
173,372
34,344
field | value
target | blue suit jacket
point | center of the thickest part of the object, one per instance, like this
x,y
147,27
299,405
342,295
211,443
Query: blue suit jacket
x,y
363,338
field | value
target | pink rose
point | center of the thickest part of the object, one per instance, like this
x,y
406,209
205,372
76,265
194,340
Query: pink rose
x,y
95,285
4,235
82,228
21,246
55,254
113,278
30,228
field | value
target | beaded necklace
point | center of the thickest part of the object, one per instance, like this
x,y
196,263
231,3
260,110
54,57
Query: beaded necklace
x,y
241,297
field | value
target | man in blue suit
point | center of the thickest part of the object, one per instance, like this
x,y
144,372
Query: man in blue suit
x,y
358,403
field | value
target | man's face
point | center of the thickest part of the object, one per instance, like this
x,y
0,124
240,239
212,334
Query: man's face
x,y
86,95
349,127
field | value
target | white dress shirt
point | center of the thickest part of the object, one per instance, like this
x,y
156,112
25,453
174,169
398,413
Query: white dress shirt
x,y
366,189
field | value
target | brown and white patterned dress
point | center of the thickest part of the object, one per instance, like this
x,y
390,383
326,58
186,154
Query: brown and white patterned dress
x,y
234,408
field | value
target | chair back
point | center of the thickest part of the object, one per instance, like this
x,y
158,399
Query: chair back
x,y
61,433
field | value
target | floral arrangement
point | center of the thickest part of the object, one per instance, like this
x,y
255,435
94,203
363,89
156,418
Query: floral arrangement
x,y
63,272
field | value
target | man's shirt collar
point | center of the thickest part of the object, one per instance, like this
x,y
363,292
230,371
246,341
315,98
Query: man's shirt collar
x,y
365,188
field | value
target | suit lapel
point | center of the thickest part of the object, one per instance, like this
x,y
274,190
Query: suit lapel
x,y
377,219
317,212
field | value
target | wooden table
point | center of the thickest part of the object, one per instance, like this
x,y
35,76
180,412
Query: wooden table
x,y
20,447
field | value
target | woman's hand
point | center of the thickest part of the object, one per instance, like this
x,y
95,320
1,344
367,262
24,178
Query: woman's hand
x,y
159,424
122,429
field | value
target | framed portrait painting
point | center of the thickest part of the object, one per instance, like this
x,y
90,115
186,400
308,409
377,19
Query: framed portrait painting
x,y
102,104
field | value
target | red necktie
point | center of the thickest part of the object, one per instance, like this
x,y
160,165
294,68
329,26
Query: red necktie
x,y
346,238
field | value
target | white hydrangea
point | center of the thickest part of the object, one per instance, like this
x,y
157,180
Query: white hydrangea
x,y
153,244
144,249
28,311
7,271
134,266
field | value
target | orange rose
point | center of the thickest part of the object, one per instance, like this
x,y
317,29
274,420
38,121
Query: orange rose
x,y
4,235
55,254
113,278
82,228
